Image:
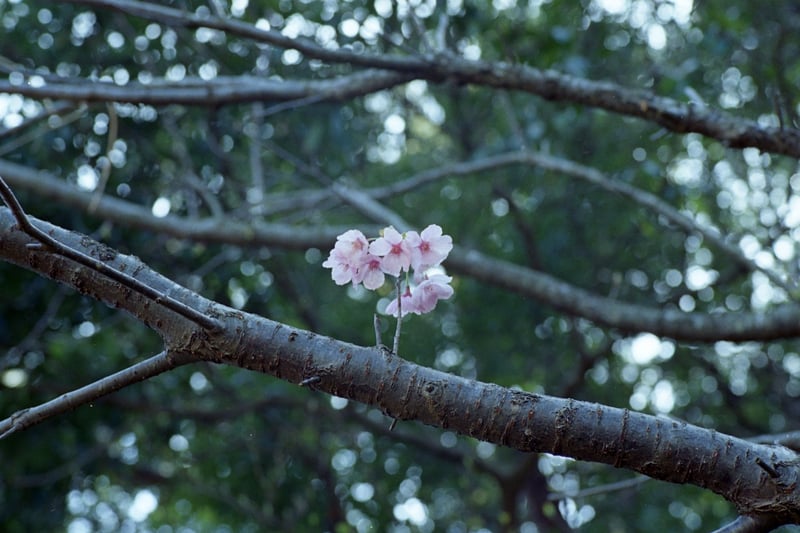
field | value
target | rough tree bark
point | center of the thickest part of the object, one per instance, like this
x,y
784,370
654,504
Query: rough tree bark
x,y
761,480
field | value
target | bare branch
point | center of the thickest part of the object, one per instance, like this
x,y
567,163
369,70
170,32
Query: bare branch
x,y
369,207
172,326
778,322
66,402
673,115
465,168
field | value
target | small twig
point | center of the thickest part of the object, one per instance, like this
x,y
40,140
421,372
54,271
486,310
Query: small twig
x,y
396,345
310,381
293,104
368,206
441,33
749,524
59,248
790,439
426,42
105,162
376,323
15,352
624,484
768,468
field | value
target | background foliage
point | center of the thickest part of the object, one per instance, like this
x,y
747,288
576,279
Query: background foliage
x,y
209,448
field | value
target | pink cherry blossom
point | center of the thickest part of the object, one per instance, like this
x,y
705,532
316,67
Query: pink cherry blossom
x,y
347,257
407,304
370,272
354,259
422,298
430,291
428,248
394,251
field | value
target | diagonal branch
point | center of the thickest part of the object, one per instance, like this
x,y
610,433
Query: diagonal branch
x,y
141,371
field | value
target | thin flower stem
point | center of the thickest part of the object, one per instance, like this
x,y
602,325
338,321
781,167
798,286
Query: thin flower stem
x,y
396,346
376,322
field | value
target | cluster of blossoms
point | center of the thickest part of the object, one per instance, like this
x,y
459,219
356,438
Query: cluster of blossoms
x,y
355,259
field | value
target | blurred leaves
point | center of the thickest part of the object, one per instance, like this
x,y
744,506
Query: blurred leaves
x,y
223,448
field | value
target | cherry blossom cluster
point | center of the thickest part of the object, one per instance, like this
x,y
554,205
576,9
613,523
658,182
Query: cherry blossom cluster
x,y
355,259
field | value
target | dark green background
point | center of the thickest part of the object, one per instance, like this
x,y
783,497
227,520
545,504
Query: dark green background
x,y
228,450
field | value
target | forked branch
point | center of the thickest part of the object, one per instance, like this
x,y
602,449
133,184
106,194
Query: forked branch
x,y
48,243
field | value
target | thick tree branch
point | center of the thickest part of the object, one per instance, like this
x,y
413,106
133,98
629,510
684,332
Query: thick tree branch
x,y
671,114
759,479
47,244
779,322
15,247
